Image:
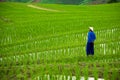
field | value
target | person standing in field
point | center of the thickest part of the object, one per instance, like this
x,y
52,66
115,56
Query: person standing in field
x,y
90,42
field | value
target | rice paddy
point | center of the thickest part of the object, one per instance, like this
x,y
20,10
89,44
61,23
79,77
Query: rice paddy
x,y
46,45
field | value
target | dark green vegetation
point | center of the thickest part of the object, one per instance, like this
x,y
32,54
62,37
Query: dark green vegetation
x,y
79,1
67,1
35,43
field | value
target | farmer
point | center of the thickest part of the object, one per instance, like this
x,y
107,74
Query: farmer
x,y
90,42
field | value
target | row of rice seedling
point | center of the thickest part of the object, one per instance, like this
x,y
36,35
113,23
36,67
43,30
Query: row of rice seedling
x,y
59,54
27,33
104,49
76,39
54,70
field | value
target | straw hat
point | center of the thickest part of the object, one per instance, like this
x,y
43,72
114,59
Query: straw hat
x,y
91,28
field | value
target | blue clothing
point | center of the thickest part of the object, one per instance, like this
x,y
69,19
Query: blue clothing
x,y
90,43
91,36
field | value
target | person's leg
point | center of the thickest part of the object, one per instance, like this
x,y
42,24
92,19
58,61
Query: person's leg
x,y
92,48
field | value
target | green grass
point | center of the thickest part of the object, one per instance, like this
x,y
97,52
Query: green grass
x,y
35,43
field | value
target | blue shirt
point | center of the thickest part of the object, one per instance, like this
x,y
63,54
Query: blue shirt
x,y
91,36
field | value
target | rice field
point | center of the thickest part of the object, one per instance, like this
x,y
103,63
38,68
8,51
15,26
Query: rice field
x,y
44,45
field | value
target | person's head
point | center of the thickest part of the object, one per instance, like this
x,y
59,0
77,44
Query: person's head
x,y
91,28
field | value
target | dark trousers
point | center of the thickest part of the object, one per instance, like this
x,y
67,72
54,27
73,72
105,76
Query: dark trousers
x,y
90,48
